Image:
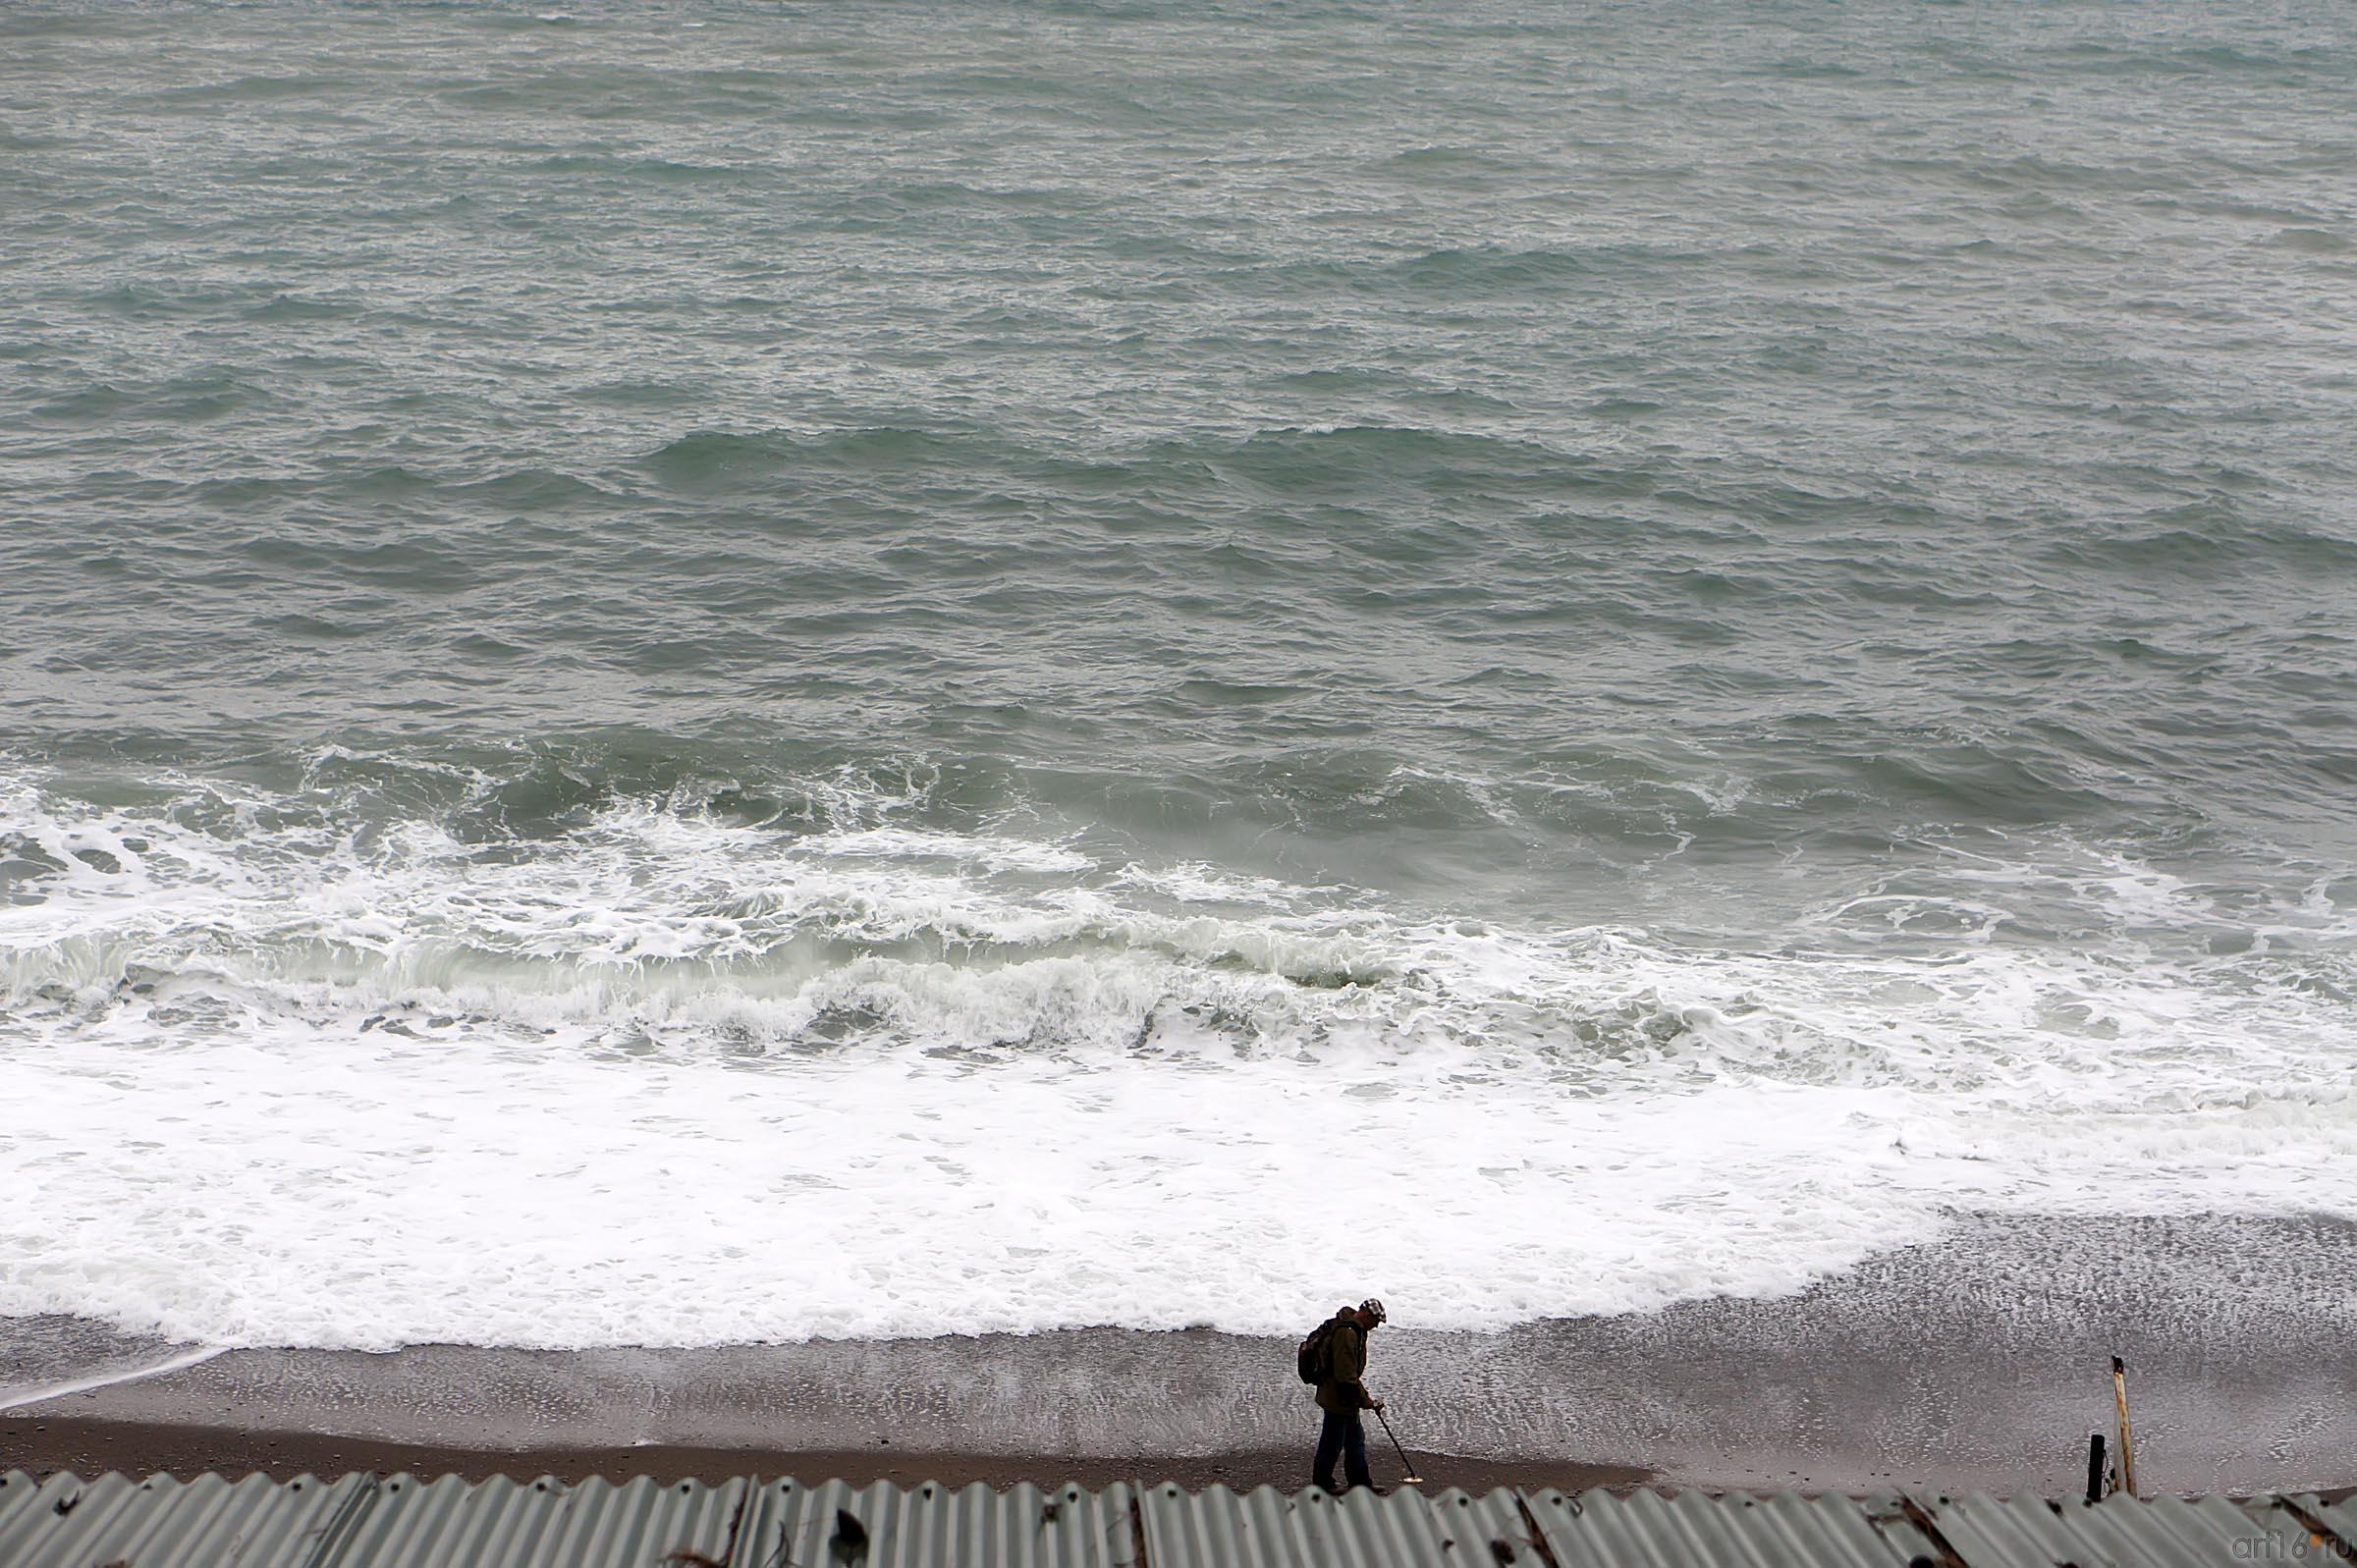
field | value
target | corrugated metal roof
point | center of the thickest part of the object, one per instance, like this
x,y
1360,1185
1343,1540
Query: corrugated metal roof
x,y
2330,1531
2160,1532
1647,1528
929,1524
366,1521
543,1523
253,1523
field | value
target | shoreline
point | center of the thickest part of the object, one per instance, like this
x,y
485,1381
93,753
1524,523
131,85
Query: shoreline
x,y
89,1448
1979,1361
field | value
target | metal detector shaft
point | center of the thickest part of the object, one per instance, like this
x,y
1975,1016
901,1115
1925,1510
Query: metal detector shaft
x,y
1396,1448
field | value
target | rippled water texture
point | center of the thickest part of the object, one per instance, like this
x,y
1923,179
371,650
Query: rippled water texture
x,y
1029,645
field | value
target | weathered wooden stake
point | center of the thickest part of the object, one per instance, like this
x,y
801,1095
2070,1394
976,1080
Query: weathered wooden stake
x,y
2127,1450
2094,1467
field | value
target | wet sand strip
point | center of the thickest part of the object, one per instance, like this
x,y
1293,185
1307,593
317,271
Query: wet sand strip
x,y
1980,1361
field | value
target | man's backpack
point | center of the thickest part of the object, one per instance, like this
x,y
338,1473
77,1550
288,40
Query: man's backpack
x,y
1310,1361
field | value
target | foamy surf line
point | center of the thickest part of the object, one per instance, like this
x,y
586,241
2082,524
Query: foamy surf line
x,y
17,1399
288,1070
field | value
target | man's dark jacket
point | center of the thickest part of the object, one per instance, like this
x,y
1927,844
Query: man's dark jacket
x,y
1342,1391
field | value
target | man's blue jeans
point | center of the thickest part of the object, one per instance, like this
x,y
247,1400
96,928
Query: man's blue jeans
x,y
1344,1436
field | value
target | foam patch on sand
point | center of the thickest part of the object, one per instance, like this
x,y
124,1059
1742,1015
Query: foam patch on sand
x,y
280,1074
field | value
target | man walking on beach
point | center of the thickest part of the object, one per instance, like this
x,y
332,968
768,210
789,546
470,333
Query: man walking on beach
x,y
1342,1396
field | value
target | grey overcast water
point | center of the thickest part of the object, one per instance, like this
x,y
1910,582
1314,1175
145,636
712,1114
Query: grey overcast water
x,y
1007,667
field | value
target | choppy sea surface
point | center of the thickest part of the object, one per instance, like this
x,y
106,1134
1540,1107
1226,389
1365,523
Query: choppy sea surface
x,y
688,674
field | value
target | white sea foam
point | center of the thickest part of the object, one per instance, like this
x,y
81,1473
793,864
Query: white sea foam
x,y
277,1074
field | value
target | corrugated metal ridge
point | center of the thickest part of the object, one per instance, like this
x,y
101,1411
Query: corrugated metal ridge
x,y
2153,1532
369,1521
885,1526
17,1493
256,1521
2331,1527
500,1521
1738,1530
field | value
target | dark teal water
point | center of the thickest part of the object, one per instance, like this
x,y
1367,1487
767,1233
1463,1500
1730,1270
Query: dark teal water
x,y
1773,574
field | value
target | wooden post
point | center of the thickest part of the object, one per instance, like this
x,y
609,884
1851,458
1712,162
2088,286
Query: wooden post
x,y
2127,1450
2094,1467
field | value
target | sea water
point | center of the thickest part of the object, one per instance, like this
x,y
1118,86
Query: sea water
x,y
683,674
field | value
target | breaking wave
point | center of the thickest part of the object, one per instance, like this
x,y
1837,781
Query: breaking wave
x,y
673,1074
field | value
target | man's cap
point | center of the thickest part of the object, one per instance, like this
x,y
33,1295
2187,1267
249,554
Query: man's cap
x,y
1374,1309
